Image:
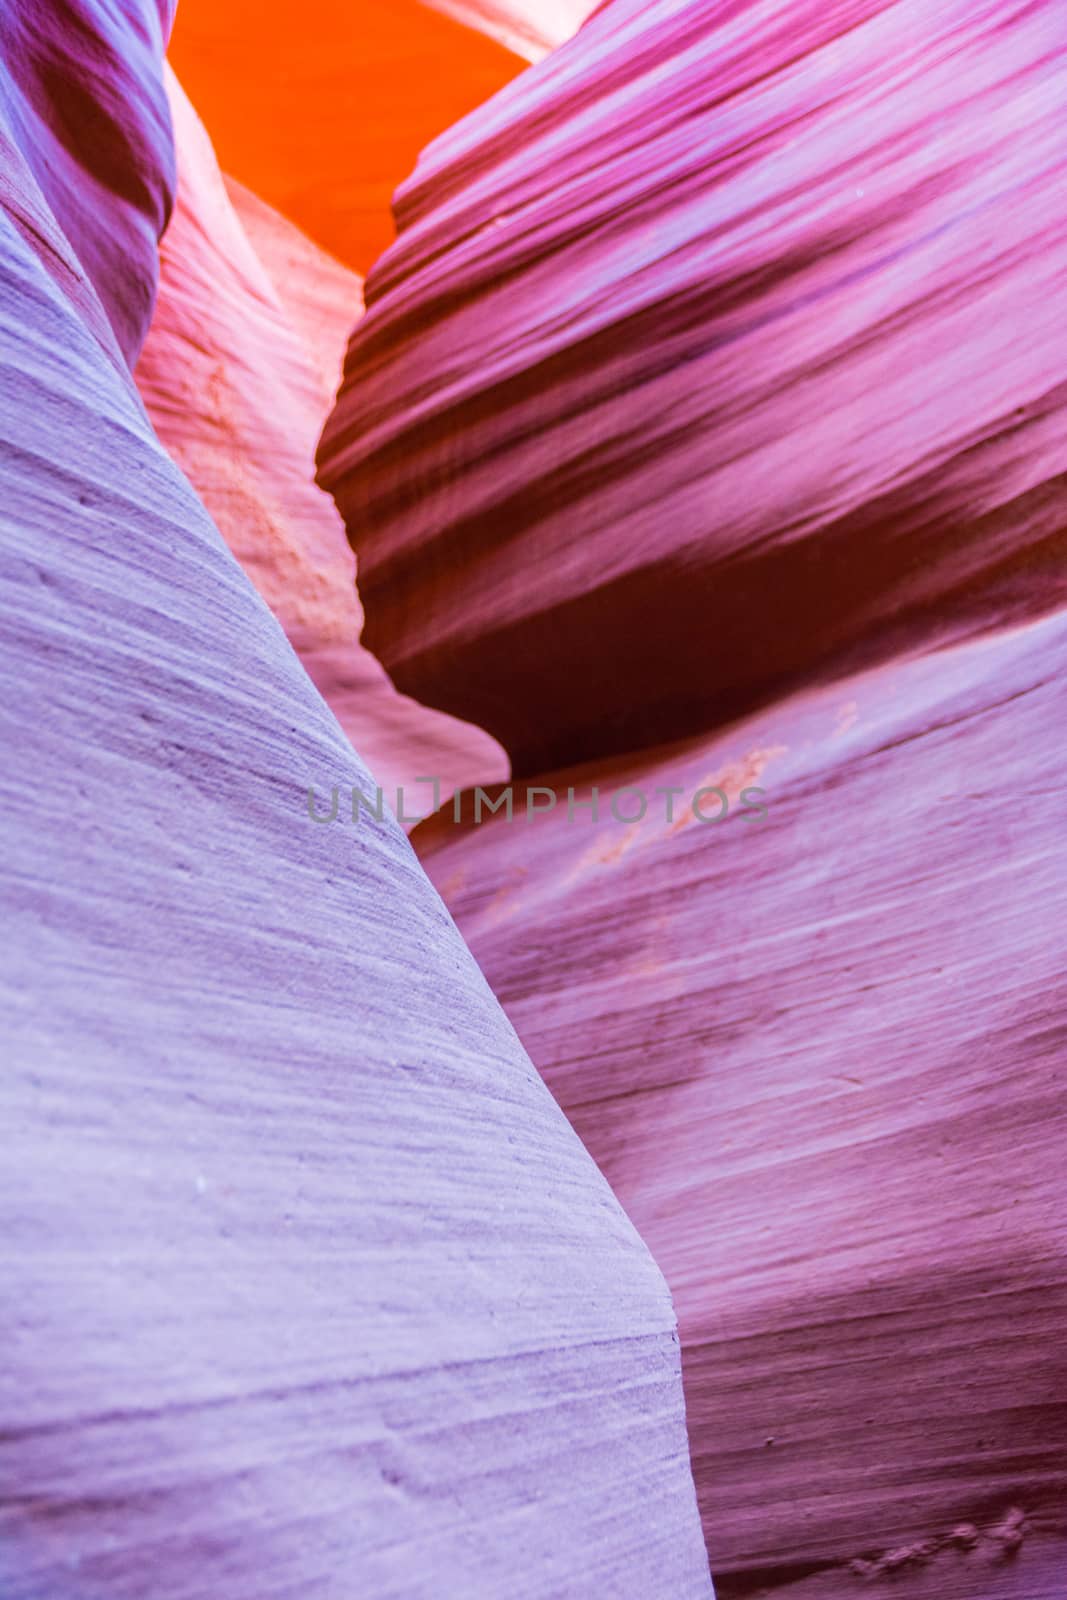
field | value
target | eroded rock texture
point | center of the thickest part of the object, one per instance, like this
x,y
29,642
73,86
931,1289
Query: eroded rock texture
x,y
239,369
723,347
720,364
324,119
528,27
819,1058
86,160
309,1289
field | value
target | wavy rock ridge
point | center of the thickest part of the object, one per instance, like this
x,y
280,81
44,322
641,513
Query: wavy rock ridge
x,y
87,164
722,348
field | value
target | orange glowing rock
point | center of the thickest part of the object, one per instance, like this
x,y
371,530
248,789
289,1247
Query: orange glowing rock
x,y
325,126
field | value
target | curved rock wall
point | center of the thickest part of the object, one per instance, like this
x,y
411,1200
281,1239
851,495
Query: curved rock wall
x,y
309,1288
819,1057
721,349
719,366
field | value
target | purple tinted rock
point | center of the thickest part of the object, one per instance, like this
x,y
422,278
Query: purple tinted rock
x,y
82,109
310,1290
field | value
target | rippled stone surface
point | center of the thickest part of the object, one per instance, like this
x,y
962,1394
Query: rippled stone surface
x,y
819,1055
721,349
309,1288
86,158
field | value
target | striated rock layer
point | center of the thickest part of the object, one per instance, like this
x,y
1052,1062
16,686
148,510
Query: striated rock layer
x,y
323,119
723,347
714,393
239,369
819,1056
309,1288
86,159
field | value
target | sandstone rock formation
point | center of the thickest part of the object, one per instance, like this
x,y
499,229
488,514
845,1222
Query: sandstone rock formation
x,y
309,1289
714,393
528,27
237,382
86,159
324,119
819,1057
722,348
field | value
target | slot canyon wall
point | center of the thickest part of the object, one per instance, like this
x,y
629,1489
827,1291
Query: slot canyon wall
x,y
309,1287
702,452
240,367
722,354
706,431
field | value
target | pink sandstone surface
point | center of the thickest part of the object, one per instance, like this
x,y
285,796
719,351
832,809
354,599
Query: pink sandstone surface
x,y
238,371
721,349
713,393
86,158
309,1288
820,1059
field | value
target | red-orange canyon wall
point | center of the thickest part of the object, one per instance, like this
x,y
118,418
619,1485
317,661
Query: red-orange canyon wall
x,y
323,120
